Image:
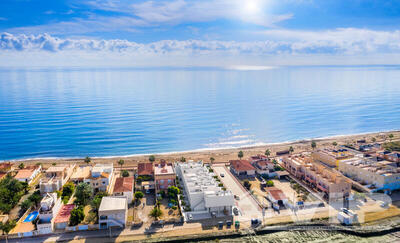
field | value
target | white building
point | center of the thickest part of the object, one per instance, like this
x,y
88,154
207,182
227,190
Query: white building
x,y
55,177
49,208
28,174
101,177
113,211
202,190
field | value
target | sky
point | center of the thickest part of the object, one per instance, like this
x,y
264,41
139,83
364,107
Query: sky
x,y
225,33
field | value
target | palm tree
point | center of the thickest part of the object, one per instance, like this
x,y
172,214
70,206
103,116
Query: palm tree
x,y
155,213
183,159
87,160
212,160
313,145
121,162
152,158
373,139
267,152
21,166
54,164
334,144
7,227
291,149
240,154
391,137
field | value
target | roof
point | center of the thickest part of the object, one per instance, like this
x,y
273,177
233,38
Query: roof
x,y
23,174
241,165
162,169
145,169
2,175
113,203
123,184
276,193
56,168
5,165
64,214
81,173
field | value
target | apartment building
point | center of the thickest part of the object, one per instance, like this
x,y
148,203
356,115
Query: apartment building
x,y
331,157
164,176
49,208
202,191
377,175
320,178
101,177
55,177
113,211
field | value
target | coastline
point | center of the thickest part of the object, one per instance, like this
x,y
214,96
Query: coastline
x,y
223,154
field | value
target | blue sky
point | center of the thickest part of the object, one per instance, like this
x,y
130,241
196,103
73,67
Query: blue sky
x,y
257,31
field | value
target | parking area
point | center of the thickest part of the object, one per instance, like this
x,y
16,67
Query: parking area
x,y
246,204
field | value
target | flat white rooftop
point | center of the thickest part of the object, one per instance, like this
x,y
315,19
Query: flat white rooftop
x,y
113,203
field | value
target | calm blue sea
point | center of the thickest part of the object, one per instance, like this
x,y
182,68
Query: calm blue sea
x,y
110,112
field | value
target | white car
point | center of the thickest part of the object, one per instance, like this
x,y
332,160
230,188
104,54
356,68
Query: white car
x,y
190,216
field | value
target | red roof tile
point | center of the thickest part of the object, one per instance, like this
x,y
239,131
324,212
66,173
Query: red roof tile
x,y
64,214
241,165
123,184
276,193
145,169
23,174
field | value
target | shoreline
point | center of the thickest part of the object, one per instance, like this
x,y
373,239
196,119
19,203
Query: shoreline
x,y
227,152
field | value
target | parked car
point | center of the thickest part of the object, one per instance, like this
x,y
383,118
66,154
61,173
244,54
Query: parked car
x,y
235,211
236,197
255,222
228,223
190,216
222,175
220,224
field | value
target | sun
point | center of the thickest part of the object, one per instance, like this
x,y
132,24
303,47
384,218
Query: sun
x,y
252,6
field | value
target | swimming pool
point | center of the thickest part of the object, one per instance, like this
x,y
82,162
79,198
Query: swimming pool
x,y
32,216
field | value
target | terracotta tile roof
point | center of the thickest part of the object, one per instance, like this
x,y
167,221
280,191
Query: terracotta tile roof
x,y
123,184
5,166
241,165
23,174
145,169
64,214
2,175
276,193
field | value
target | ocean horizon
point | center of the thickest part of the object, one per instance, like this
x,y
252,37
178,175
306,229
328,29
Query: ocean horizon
x,y
108,112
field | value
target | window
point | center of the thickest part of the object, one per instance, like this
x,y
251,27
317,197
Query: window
x,y
104,182
162,181
169,180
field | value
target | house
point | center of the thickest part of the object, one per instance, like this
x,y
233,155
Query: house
x,y
263,165
242,168
80,174
331,157
101,177
164,176
123,186
113,211
28,174
62,219
203,194
49,208
276,197
5,167
55,177
145,177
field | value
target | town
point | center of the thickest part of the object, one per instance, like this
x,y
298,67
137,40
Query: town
x,y
347,184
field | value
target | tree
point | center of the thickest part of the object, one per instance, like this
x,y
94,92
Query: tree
x,y
391,136
152,158
173,192
21,166
7,227
87,160
267,152
183,159
121,162
274,162
95,203
247,184
291,149
54,164
35,198
373,139
313,145
25,186
212,159
26,204
270,183
155,213
138,195
334,144
83,194
68,190
38,164
240,154
77,215
124,173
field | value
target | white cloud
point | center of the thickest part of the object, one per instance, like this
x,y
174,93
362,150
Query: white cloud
x,y
279,47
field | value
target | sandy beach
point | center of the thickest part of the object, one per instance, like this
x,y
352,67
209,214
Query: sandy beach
x,y
224,155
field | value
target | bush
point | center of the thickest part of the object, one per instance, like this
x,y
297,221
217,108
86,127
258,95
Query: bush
x,y
83,194
26,204
247,184
174,207
77,215
221,185
139,195
270,183
125,173
173,192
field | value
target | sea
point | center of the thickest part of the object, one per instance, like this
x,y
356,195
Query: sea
x,y
105,112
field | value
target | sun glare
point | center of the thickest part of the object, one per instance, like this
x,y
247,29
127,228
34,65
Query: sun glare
x,y
252,6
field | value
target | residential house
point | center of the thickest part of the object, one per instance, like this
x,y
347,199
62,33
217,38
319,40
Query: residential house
x,y
276,197
242,168
81,174
320,178
55,177
263,165
113,211
164,176
145,177
101,177
62,219
123,186
28,174
49,208
203,193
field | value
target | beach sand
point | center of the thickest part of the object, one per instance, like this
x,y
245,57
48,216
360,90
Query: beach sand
x,y
224,155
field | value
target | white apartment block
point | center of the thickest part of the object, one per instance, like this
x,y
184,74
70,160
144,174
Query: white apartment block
x,y
202,190
113,211
101,177
378,175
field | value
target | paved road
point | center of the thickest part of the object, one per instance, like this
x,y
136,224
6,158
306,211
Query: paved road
x,y
247,205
